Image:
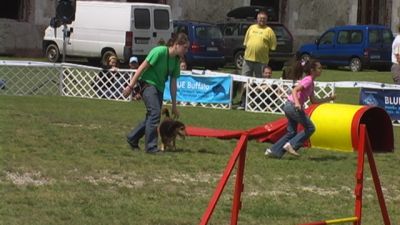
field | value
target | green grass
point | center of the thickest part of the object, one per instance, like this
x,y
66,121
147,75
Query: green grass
x,y
65,161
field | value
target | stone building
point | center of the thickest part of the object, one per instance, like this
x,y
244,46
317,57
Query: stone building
x,y
22,22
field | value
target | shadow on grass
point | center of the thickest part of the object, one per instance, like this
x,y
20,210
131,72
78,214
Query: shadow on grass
x,y
327,158
193,151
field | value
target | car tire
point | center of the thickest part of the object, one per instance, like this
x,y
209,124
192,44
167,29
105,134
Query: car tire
x,y
53,53
355,64
238,60
106,55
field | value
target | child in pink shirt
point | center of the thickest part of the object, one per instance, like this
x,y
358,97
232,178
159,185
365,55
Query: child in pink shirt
x,y
294,111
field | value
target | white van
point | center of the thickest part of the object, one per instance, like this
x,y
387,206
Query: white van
x,y
101,29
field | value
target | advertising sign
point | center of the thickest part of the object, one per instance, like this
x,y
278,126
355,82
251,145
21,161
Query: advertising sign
x,y
388,99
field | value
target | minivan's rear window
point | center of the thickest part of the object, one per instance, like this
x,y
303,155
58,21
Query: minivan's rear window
x,y
161,19
208,32
142,18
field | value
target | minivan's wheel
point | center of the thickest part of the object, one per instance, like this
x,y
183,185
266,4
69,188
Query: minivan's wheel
x,y
238,59
105,56
52,53
355,64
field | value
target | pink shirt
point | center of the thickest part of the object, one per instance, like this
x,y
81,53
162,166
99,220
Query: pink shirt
x,y
308,90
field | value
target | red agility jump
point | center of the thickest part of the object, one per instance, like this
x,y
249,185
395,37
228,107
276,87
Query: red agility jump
x,y
342,120
271,132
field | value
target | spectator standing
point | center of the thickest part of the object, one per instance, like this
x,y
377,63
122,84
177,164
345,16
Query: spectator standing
x,y
258,41
396,57
294,111
161,63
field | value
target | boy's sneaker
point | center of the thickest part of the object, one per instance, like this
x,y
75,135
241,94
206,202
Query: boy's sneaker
x,y
288,147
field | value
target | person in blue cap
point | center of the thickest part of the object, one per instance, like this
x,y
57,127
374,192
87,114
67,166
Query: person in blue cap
x,y
133,62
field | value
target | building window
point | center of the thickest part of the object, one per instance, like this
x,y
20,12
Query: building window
x,y
13,9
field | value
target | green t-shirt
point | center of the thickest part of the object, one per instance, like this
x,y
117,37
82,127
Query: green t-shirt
x,y
157,74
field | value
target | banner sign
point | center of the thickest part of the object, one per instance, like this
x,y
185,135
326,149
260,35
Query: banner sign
x,y
388,99
201,89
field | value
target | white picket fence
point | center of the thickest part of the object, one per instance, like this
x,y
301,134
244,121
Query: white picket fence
x,y
39,78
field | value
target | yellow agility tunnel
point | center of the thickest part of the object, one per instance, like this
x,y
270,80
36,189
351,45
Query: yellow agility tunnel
x,y
338,126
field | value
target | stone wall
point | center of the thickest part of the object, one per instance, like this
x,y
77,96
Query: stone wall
x,y
305,19
325,14
205,10
20,38
395,16
24,38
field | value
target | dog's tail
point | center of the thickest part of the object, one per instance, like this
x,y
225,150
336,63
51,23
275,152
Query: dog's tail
x,y
165,112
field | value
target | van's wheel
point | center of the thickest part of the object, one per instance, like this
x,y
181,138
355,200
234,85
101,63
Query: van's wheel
x,y
52,53
238,59
106,55
355,64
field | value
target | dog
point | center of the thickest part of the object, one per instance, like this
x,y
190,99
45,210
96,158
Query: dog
x,y
169,129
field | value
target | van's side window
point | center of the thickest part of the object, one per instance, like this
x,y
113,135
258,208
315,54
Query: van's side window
x,y
373,36
356,37
327,38
161,19
343,37
142,18
281,33
244,29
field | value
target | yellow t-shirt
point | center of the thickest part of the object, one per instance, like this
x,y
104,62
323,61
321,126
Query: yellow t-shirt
x,y
258,41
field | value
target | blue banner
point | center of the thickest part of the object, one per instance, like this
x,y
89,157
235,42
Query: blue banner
x,y
389,100
201,89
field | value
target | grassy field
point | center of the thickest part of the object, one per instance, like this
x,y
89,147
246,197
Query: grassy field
x,y
65,161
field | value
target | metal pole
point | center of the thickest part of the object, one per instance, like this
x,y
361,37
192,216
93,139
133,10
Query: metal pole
x,y
64,42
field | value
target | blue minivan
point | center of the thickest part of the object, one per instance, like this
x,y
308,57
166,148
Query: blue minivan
x,y
206,43
356,46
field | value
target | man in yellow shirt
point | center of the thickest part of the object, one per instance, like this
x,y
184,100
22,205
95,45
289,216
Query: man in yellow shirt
x,y
259,40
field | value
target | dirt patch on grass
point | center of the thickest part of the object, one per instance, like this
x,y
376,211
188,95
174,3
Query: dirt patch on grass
x,y
90,126
30,178
116,179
